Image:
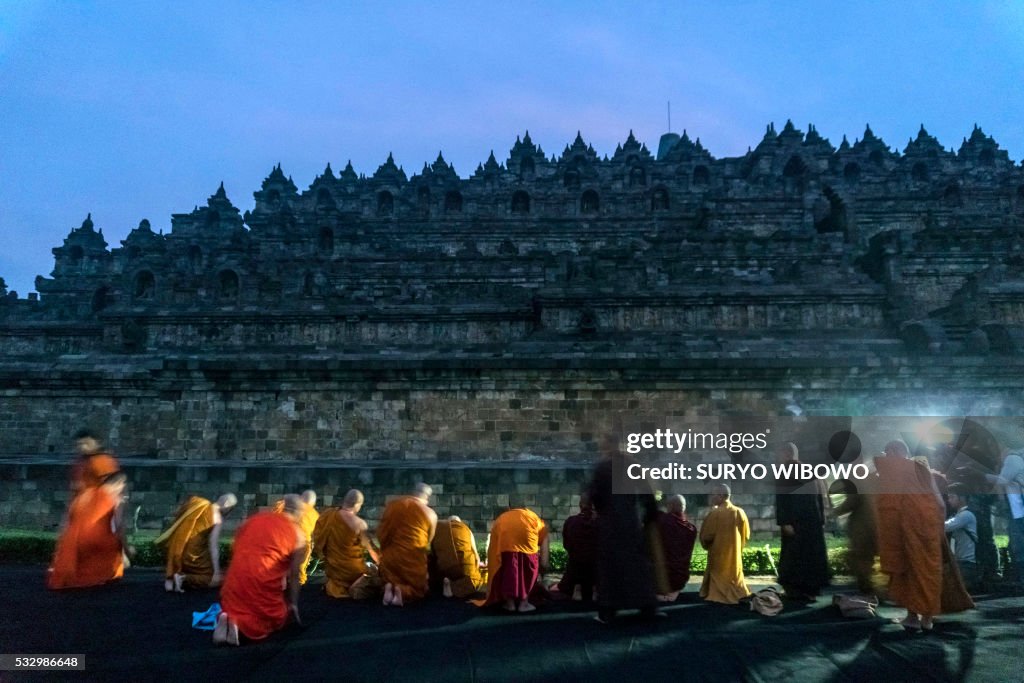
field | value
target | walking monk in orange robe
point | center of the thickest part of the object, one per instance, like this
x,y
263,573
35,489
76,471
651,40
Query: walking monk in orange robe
x,y
262,584
517,551
93,464
342,540
192,543
911,537
90,551
723,534
406,530
307,522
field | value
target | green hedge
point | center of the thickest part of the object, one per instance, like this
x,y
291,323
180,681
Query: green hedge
x,y
36,547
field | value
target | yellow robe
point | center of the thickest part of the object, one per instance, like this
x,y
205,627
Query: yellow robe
x,y
307,522
342,551
454,548
723,534
404,535
188,543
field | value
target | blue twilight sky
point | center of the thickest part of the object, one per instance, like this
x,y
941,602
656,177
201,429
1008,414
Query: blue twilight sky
x,y
135,110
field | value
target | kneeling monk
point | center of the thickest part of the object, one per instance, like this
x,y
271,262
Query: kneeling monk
x,y
307,522
262,584
517,551
457,558
406,530
341,539
193,543
90,551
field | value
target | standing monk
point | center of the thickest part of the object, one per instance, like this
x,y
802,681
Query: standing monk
x,y
193,543
456,558
678,535
800,513
406,530
262,584
625,529
579,537
517,551
342,540
307,522
910,534
90,551
723,534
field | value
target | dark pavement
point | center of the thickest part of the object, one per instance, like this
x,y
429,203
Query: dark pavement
x,y
132,630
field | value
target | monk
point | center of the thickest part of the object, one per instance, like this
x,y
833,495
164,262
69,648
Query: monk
x,y
517,552
861,531
406,530
723,534
678,535
93,463
261,588
192,543
90,551
800,514
579,537
307,522
910,534
627,536
341,539
456,558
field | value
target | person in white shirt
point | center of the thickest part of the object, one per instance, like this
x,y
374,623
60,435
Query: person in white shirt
x,y
962,528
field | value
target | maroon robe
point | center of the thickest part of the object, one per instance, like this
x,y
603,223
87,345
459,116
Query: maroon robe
x,y
678,535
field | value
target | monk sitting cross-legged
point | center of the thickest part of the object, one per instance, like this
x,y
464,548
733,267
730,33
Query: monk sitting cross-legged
x,y
406,530
515,555
192,543
342,540
261,588
90,550
307,522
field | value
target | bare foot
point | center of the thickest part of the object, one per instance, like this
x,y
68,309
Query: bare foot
x,y
577,593
233,633
389,594
447,588
525,606
169,585
220,632
510,605
179,581
397,602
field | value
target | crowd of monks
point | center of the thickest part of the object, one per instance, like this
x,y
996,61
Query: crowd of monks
x,y
624,551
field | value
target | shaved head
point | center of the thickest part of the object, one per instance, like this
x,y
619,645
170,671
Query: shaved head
x,y
897,447
309,497
353,499
423,491
293,504
676,504
721,490
227,501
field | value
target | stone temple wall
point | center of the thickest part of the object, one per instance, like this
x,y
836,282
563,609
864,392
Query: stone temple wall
x,y
497,325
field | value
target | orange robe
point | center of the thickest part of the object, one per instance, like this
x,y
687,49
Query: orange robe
x,y
253,592
723,534
342,551
90,471
188,542
910,534
307,522
455,550
516,531
88,552
404,535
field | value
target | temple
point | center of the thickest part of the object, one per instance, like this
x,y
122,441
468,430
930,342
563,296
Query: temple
x,y
482,332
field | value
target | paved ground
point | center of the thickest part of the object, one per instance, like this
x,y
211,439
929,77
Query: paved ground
x,y
134,631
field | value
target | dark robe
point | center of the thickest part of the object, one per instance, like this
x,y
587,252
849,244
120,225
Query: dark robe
x,y
803,560
678,535
625,574
579,537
